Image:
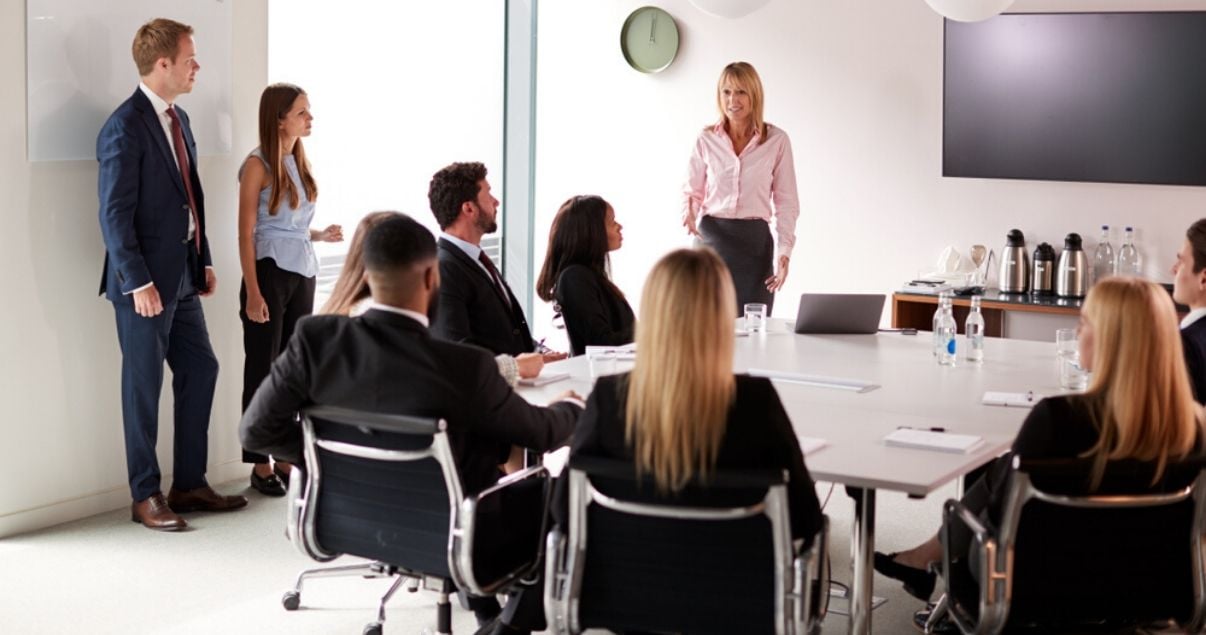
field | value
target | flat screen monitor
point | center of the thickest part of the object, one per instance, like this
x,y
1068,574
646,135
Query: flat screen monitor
x,y
1106,97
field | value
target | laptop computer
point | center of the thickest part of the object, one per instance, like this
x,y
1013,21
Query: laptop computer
x,y
833,313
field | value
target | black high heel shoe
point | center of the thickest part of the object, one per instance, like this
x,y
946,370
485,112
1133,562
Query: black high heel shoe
x,y
917,582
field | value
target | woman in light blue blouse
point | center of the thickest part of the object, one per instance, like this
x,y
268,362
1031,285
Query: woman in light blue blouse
x,y
276,204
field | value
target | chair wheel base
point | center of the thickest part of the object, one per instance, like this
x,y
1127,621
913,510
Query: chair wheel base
x,y
372,628
291,600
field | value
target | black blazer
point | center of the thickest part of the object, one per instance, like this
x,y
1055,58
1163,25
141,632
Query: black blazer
x,y
595,315
1193,340
387,362
759,436
472,310
143,204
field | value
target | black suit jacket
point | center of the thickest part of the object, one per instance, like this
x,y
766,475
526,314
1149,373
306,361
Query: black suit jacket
x,y
595,315
758,436
473,310
1193,340
387,362
143,204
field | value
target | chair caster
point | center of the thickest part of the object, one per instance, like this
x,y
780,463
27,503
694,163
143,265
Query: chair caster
x,y
372,628
291,600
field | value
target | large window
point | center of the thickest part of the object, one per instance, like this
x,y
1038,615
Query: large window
x,y
398,91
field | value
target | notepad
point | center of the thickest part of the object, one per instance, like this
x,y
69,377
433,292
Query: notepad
x,y
542,379
821,381
928,440
808,445
625,353
1013,399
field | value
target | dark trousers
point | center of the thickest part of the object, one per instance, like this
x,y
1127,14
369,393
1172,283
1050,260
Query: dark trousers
x,y
289,296
178,336
748,249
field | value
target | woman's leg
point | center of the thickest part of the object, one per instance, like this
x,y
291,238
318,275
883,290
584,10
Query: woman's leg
x,y
261,343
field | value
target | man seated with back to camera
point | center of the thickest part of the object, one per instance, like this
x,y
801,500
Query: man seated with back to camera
x,y
387,357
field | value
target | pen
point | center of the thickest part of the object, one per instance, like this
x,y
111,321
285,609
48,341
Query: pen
x,y
933,429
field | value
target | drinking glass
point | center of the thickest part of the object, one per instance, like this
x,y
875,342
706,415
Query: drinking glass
x,y
1066,344
755,317
1071,375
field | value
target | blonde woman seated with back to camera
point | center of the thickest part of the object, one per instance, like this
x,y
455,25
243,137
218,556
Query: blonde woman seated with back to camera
x,y
351,293
1138,406
682,414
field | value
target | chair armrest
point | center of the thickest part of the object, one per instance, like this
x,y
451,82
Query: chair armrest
x,y
556,582
469,525
993,583
295,506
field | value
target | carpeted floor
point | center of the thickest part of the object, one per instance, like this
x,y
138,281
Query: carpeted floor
x,y
226,575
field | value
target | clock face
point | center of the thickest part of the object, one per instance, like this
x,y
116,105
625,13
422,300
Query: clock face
x,y
649,40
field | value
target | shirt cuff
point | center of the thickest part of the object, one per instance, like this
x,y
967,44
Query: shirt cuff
x,y
508,368
145,286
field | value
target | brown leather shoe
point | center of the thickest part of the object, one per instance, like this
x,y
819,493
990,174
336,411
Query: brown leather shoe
x,y
154,513
203,499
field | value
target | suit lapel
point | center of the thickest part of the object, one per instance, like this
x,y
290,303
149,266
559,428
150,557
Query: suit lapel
x,y
466,261
155,129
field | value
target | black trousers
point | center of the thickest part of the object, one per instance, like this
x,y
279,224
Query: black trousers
x,y
289,296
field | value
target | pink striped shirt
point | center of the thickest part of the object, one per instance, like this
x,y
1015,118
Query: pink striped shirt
x,y
758,183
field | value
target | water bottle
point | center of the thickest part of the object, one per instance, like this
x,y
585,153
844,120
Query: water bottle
x,y
1128,256
1103,257
949,331
944,306
973,329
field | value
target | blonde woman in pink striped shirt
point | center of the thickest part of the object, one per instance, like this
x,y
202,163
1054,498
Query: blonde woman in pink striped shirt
x,y
739,179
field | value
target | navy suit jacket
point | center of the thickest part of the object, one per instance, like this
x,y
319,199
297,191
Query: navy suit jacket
x,y
143,204
472,309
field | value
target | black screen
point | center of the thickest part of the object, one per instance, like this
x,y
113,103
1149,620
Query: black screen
x,y
1110,97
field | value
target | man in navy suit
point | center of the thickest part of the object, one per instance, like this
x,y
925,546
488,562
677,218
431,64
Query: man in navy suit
x,y
476,306
157,264
1189,288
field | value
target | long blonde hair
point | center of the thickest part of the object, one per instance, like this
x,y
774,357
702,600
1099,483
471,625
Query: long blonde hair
x,y
351,286
742,75
682,386
1140,394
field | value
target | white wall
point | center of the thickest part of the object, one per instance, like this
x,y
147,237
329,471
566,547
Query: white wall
x,y
62,455
857,84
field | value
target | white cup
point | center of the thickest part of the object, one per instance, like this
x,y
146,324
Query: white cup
x,y
755,317
601,363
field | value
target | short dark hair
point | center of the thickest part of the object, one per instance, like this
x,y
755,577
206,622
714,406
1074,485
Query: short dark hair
x,y
397,243
451,188
1197,240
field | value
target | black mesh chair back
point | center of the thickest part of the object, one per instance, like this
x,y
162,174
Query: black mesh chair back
x,y
714,558
1067,558
381,488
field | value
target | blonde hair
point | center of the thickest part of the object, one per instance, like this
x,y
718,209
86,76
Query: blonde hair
x,y
682,386
157,39
351,286
742,75
1140,394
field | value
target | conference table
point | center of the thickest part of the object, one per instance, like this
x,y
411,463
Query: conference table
x,y
910,390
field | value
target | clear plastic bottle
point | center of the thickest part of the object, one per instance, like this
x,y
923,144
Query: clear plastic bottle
x,y
948,332
944,306
973,329
1103,257
1128,256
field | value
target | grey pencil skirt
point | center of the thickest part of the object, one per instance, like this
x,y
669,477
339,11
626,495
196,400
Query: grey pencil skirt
x,y
747,247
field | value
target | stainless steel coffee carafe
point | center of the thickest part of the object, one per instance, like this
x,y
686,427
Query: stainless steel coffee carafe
x,y
1042,272
1072,275
1015,263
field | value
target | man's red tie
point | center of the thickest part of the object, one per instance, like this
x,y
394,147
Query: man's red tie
x,y
489,265
185,172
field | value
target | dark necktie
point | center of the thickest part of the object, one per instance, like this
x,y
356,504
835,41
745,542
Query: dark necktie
x,y
185,172
489,265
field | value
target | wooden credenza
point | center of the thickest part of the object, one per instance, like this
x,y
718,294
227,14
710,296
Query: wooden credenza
x,y
916,310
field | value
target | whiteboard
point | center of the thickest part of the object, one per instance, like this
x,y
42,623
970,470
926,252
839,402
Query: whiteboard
x,y
79,69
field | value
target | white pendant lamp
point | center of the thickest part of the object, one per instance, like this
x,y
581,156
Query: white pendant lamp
x,y
968,10
729,8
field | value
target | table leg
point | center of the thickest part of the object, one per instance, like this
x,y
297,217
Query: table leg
x,y
862,552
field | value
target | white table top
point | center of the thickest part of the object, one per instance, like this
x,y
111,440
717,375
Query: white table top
x,y
914,391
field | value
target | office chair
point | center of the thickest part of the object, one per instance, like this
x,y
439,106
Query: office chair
x,y
386,488
1066,559
716,558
